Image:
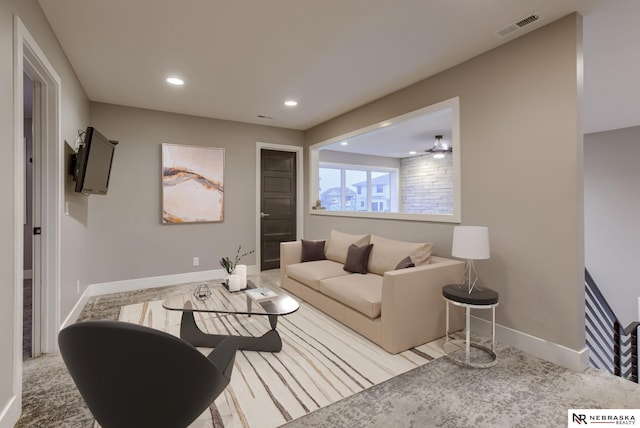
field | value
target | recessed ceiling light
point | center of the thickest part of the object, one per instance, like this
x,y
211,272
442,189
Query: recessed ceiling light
x,y
175,81
412,152
344,143
291,103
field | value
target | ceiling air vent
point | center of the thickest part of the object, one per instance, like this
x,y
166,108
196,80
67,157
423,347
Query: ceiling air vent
x,y
528,20
534,17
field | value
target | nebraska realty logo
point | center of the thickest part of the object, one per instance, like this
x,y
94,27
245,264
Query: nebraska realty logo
x,y
581,417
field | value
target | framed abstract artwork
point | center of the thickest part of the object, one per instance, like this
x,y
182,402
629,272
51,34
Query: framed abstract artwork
x,y
192,184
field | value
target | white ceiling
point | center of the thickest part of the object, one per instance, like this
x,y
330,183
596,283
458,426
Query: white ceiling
x,y
244,58
398,139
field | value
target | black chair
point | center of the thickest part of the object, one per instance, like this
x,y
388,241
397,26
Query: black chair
x,y
135,376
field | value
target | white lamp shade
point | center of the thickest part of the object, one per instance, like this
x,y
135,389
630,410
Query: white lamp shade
x,y
470,242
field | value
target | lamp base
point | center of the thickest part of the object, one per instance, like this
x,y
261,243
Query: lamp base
x,y
470,277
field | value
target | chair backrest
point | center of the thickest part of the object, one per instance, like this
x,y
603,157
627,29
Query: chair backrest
x,y
135,376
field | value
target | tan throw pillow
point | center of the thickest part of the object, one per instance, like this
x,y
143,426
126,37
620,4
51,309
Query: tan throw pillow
x,y
338,244
387,253
357,258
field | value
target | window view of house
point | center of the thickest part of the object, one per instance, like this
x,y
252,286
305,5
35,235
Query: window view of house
x,y
358,188
422,185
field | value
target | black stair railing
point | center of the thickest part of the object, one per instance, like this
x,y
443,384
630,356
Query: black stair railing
x,y
613,348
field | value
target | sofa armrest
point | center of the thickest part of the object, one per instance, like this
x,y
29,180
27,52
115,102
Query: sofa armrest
x,y
413,310
290,253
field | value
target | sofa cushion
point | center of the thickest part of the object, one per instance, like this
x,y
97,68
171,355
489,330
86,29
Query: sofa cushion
x,y
310,273
362,293
405,263
357,258
338,244
387,253
312,250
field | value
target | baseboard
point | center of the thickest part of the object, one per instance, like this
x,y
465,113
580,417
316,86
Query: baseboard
x,y
10,412
571,359
151,282
76,310
142,284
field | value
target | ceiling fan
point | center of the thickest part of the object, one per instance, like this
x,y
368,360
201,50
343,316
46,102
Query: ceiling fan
x,y
439,148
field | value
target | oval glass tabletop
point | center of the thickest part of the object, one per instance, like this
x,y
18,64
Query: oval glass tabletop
x,y
220,300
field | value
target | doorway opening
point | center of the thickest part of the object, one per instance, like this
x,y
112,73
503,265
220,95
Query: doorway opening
x,y
33,70
27,304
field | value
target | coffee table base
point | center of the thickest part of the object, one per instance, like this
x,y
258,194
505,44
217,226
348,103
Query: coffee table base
x,y
191,333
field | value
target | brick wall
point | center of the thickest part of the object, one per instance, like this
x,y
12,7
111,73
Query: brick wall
x,y
426,185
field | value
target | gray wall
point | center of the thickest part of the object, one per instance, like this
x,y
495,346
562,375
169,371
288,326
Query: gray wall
x,y
611,206
75,112
521,148
7,255
124,227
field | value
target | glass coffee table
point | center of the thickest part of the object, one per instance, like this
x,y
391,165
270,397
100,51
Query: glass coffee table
x,y
221,301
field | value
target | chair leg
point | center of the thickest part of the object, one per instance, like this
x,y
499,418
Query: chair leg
x,y
224,355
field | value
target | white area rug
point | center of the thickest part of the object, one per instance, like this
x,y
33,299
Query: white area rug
x,y
321,362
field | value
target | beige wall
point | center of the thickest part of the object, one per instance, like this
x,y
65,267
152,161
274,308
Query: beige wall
x,y
127,238
611,206
75,111
521,149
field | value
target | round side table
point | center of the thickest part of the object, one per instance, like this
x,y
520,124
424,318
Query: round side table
x,y
484,298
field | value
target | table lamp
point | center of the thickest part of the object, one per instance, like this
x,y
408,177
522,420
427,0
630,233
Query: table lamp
x,y
470,243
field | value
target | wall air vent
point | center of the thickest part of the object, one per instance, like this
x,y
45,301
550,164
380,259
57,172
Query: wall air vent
x,y
521,23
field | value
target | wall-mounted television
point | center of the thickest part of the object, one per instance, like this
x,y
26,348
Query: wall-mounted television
x,y
92,167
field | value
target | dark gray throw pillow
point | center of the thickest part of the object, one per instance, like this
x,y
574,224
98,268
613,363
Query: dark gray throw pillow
x,y
357,258
312,251
405,263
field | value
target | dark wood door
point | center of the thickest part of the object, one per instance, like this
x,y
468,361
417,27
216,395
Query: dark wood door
x,y
277,204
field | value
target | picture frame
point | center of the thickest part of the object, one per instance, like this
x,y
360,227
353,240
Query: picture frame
x,y
192,184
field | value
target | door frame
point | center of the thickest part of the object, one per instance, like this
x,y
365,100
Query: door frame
x,y
299,151
30,59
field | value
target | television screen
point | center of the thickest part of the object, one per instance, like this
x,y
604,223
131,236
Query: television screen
x,y
93,163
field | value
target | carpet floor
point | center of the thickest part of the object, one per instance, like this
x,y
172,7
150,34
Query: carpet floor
x,y
321,362
519,391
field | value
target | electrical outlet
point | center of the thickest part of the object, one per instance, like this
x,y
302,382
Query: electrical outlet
x,y
196,261
78,287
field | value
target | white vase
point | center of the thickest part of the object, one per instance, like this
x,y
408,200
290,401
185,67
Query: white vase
x,y
235,282
242,271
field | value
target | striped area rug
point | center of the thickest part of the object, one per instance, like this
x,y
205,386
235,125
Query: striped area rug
x,y
321,362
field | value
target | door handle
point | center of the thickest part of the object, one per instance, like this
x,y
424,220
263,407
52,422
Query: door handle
x,y
263,215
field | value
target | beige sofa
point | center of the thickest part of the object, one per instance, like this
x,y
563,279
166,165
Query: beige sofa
x,y
396,308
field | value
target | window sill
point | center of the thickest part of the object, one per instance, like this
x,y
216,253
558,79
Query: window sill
x,y
438,218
